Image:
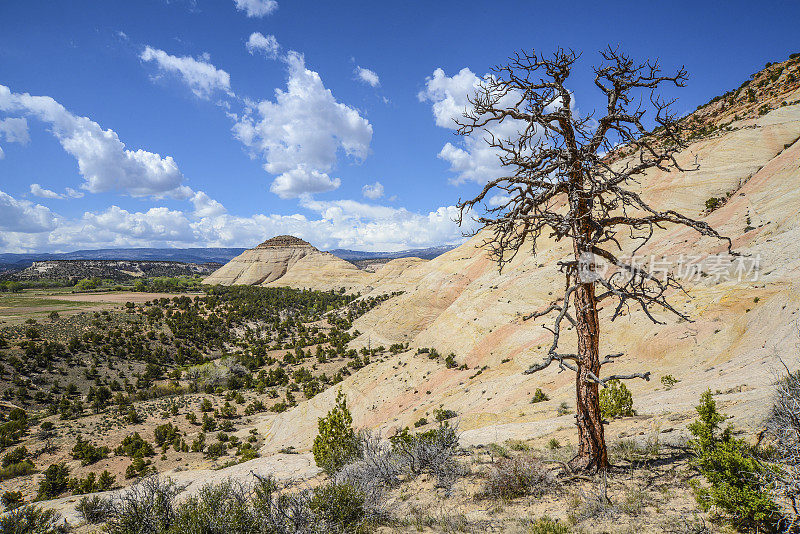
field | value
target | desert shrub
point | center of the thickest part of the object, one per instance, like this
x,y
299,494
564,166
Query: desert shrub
x,y
497,450
420,422
669,381
339,505
783,426
516,477
54,483
279,407
138,467
88,453
231,507
713,203
80,486
17,469
632,451
732,470
517,445
215,450
12,427
146,508
539,396
223,508
94,509
616,400
209,423
12,499
14,457
563,408
165,434
32,520
199,443
442,414
336,442
546,525
374,471
254,407
135,447
428,452
106,481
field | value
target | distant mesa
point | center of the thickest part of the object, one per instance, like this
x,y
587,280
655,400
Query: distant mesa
x,y
288,259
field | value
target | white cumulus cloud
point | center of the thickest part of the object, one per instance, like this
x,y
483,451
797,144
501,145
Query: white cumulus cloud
x,y
23,216
256,8
203,78
373,191
205,206
15,130
303,181
264,44
474,160
356,225
367,76
302,131
27,227
471,159
39,191
157,224
71,193
103,159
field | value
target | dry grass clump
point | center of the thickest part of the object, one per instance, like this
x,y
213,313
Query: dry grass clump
x,y
515,477
94,509
32,519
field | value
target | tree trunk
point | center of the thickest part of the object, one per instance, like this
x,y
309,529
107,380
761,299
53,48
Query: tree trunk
x,y
592,454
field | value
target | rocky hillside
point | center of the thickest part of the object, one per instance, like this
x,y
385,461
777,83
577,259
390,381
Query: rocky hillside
x,y
117,270
290,261
745,314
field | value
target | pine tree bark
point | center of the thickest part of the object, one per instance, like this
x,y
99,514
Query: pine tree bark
x,y
592,453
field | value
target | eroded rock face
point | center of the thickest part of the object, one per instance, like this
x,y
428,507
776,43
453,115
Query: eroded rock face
x,y
263,264
286,260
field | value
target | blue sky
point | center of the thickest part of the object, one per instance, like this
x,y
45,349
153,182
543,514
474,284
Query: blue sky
x,y
221,123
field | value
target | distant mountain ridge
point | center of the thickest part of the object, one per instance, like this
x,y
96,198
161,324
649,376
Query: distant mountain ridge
x,y
221,255
422,253
185,255
116,270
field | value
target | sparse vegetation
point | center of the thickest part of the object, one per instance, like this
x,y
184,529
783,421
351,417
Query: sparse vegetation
x,y
669,381
616,400
31,519
515,477
336,443
732,470
539,396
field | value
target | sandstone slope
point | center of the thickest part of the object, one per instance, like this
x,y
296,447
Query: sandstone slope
x,y
742,331
273,258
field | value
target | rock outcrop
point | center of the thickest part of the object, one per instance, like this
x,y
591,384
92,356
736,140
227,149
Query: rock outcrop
x,y
260,265
286,260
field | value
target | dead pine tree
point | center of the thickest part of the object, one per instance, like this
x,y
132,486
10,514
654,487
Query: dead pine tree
x,y
567,179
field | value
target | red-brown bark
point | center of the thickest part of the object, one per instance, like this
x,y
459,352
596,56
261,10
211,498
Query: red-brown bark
x,y
592,454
